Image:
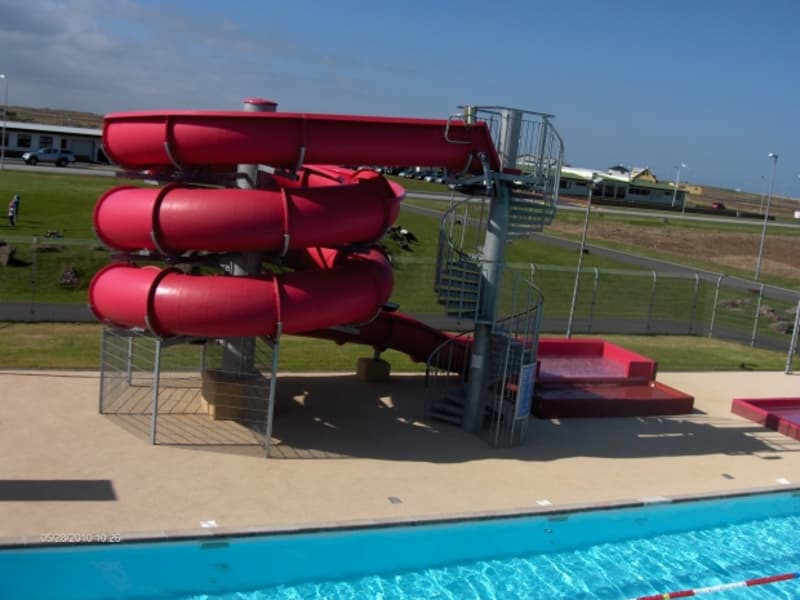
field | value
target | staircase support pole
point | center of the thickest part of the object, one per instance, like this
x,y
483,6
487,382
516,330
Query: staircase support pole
x,y
239,353
492,257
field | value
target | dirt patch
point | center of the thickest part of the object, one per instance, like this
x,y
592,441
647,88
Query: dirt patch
x,y
722,248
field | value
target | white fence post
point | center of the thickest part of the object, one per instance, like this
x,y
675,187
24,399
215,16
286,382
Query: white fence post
x,y
755,317
156,387
793,343
714,309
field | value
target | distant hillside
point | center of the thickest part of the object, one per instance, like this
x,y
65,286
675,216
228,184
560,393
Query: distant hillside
x,y
733,200
55,116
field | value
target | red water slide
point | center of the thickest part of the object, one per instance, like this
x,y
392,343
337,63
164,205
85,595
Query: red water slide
x,y
307,220
287,140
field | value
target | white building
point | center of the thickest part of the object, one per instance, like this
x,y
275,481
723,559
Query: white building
x,y
86,144
619,185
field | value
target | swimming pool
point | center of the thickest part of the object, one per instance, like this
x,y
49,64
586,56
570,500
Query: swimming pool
x,y
622,552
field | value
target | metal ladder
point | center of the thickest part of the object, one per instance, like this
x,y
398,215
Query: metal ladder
x,y
532,192
513,345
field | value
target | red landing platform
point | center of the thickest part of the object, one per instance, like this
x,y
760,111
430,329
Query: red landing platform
x,y
611,400
780,414
594,378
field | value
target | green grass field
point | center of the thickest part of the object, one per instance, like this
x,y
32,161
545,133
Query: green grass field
x,y
64,203
77,346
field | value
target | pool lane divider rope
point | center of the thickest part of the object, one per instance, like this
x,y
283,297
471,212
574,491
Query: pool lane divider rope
x,y
721,587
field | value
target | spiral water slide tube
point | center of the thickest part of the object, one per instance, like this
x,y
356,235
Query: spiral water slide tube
x,y
308,219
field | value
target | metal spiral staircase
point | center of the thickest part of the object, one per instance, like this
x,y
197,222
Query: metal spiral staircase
x,y
488,390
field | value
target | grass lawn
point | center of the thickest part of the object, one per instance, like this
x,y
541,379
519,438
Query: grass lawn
x,y
77,346
52,201
65,203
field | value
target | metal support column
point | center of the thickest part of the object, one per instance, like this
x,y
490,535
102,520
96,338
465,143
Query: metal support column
x,y
239,353
540,167
492,258
129,362
156,388
793,343
714,308
102,370
273,384
581,251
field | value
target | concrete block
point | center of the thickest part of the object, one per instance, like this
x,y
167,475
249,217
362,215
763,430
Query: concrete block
x,y
234,396
370,370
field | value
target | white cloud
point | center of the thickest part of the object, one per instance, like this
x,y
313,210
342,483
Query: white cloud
x,y
114,55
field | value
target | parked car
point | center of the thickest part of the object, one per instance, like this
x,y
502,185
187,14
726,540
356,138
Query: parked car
x,y
50,155
434,177
473,188
717,206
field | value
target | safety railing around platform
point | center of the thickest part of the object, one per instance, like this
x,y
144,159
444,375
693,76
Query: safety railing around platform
x,y
510,366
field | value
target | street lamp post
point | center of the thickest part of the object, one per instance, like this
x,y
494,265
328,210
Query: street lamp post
x,y
5,118
592,182
774,158
763,194
677,182
798,177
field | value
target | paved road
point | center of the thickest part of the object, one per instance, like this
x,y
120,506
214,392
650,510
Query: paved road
x,y
45,312
78,168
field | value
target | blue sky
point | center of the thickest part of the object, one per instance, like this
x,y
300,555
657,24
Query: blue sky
x,y
714,84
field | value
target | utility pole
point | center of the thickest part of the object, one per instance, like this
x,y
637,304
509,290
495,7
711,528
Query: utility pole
x,y
774,158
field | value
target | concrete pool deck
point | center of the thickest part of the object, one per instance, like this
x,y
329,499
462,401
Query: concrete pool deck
x,y
356,453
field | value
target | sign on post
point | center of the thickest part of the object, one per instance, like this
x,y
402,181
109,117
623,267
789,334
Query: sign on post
x,y
527,374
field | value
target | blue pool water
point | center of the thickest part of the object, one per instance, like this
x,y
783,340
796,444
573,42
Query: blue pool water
x,y
616,553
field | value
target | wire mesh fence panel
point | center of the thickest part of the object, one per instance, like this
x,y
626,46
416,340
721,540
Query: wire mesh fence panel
x,y
35,272
127,377
556,284
649,302
704,311
587,301
775,324
201,392
14,257
735,313
236,381
515,295
675,304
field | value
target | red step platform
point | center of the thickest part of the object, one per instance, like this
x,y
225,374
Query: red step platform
x,y
594,378
611,400
780,414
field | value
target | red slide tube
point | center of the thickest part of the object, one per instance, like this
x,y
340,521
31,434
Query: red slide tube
x,y
323,206
168,302
287,140
405,334
176,218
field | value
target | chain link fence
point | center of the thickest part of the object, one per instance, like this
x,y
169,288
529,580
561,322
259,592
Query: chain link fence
x,y
650,302
189,392
46,278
